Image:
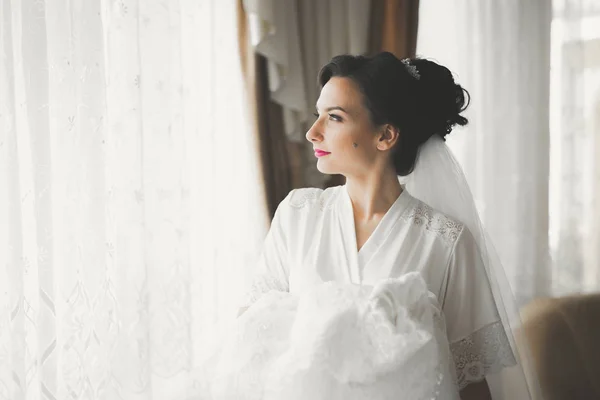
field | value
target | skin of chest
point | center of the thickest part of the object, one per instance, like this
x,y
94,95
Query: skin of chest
x,y
364,229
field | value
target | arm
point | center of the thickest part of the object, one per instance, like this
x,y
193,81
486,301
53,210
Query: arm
x,y
477,337
476,391
272,269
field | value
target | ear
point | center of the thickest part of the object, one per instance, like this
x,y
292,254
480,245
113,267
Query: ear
x,y
387,137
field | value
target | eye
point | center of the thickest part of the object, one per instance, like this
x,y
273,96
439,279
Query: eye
x,y
335,117
316,115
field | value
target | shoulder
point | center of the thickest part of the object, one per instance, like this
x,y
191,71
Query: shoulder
x,y
312,198
434,222
302,208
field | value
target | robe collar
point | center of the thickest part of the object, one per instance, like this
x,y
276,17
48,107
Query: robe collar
x,y
357,261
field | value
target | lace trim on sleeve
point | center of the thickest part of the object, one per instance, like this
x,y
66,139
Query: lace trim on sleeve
x,y
433,221
485,351
300,197
261,285
308,196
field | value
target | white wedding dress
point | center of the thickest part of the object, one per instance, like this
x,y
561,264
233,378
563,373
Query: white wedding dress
x,y
336,341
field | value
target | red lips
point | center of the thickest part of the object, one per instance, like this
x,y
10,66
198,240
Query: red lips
x,y
321,153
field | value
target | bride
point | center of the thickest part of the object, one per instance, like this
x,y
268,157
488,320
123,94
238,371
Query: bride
x,y
338,308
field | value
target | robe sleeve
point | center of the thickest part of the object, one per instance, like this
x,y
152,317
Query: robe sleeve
x,y
477,338
272,271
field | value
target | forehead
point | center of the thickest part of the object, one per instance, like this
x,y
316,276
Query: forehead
x,y
341,92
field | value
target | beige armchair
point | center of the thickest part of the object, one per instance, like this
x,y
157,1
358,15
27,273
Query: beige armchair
x,y
564,335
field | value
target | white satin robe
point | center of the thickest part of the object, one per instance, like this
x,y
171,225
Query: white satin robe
x,y
313,239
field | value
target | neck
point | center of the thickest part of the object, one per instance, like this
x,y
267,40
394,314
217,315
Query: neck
x,y
372,196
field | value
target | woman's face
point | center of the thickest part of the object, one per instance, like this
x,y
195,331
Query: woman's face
x,y
343,136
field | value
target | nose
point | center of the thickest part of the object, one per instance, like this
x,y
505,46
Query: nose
x,y
314,134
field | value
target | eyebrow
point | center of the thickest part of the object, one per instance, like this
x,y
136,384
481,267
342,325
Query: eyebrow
x,y
333,108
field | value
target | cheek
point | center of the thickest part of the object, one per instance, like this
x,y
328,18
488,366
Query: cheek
x,y
345,137
344,143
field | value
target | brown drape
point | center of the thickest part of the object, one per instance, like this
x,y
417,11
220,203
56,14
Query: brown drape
x,y
394,25
279,158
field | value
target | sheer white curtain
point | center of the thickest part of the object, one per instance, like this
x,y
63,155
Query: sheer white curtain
x,y
130,199
500,52
531,151
575,157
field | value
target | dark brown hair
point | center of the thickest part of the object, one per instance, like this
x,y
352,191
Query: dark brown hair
x,y
419,107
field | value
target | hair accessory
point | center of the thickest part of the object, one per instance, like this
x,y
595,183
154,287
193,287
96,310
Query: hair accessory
x,y
412,70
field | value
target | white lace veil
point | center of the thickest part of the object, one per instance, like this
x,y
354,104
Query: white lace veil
x,y
439,181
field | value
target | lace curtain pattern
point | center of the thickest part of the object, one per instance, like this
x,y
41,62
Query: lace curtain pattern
x,y
126,176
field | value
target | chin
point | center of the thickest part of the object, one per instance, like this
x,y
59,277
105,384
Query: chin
x,y
326,169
